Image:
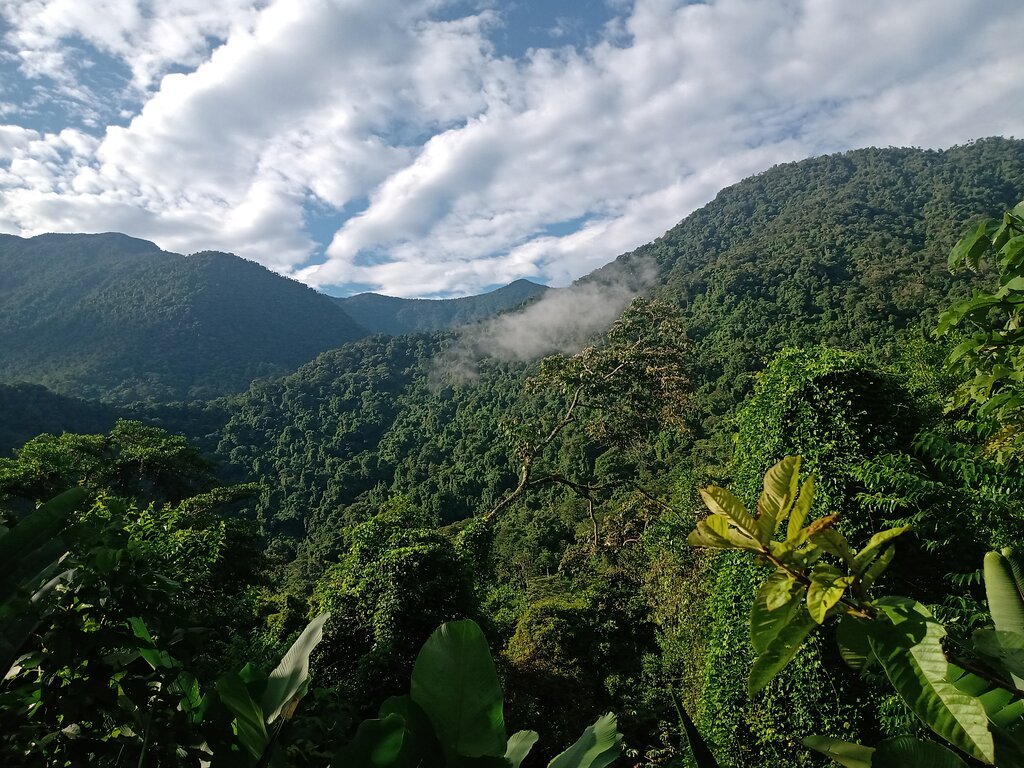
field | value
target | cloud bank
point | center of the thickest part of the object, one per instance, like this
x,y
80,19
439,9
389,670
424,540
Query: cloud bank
x,y
393,146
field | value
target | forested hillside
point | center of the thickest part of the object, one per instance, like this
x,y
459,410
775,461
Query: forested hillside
x,y
114,318
411,480
388,314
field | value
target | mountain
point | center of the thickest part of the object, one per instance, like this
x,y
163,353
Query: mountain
x,y
115,318
846,249
388,314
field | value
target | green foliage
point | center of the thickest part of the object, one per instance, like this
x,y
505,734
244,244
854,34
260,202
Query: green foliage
x,y
987,361
398,580
978,711
453,715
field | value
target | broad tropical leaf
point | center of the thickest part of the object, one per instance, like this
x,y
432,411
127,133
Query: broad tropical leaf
x,y
873,548
907,642
801,509
1006,649
1004,591
852,635
249,721
455,684
519,746
377,744
713,532
776,604
291,677
701,752
843,752
780,650
598,747
419,736
908,752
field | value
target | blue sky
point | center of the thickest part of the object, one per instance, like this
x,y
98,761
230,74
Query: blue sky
x,y
444,147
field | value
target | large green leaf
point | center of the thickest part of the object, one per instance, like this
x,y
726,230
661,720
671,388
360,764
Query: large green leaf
x,y
801,509
908,752
419,738
701,752
249,724
852,635
598,747
843,752
1004,591
455,684
970,247
34,531
712,531
519,746
723,502
1005,649
776,604
780,650
874,547
826,590
1004,588
377,744
907,642
290,678
777,497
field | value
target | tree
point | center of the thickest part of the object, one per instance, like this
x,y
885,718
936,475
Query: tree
x,y
988,360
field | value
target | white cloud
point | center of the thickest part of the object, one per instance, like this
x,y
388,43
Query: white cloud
x,y
468,158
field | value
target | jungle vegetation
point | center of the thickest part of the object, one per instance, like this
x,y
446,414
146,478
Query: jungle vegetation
x,y
351,523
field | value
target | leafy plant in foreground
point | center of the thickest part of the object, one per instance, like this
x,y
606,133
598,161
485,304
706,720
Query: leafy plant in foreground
x,y
974,703
988,360
453,716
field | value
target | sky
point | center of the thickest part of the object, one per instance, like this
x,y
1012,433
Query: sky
x,y
439,148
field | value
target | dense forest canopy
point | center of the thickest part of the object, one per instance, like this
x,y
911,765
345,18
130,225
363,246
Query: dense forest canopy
x,y
549,501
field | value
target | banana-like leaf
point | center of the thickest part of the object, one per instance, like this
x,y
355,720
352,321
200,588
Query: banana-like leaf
x,y
907,641
698,747
1003,649
249,725
826,590
723,502
1004,588
908,752
419,736
845,753
34,531
598,747
780,489
455,684
1005,591
377,744
780,650
290,678
519,746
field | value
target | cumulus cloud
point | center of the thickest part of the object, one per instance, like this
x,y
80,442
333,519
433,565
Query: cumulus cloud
x,y
453,167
